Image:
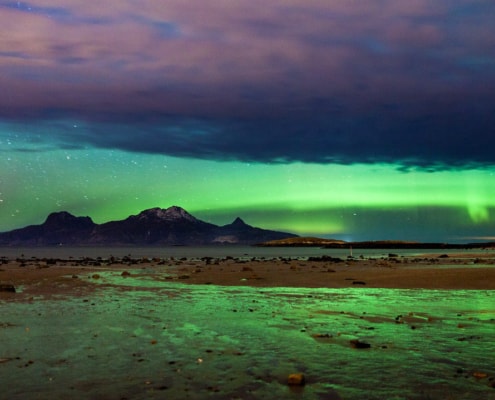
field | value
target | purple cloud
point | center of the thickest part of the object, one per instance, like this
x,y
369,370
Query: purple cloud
x,y
377,81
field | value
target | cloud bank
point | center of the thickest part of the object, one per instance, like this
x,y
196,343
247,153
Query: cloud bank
x,y
411,83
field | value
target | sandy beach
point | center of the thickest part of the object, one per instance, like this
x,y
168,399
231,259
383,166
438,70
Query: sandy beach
x,y
428,271
245,328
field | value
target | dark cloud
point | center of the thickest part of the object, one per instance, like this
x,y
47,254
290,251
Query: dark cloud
x,y
428,142
408,83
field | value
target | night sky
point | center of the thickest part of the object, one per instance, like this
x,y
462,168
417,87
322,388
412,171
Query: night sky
x,y
357,120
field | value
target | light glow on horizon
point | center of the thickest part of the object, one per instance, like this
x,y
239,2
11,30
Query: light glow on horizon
x,y
363,119
301,198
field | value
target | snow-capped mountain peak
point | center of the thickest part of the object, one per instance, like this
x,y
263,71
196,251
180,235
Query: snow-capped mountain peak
x,y
167,214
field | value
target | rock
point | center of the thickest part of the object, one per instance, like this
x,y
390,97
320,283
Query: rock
x,y
6,287
322,336
325,259
125,273
357,344
296,379
359,283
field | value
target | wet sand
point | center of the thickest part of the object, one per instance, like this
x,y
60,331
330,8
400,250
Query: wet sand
x,y
50,277
235,328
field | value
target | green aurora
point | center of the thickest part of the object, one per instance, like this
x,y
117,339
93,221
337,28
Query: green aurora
x,y
354,202
362,120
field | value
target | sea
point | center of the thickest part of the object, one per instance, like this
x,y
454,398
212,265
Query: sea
x,y
198,252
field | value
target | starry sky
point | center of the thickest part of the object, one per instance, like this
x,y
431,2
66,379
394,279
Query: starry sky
x,y
356,120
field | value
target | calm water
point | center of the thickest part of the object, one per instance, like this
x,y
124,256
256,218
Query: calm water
x,y
211,251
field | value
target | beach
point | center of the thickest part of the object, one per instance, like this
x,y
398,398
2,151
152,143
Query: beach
x,y
395,327
48,276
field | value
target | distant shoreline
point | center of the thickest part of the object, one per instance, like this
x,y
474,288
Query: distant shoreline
x,y
49,277
379,244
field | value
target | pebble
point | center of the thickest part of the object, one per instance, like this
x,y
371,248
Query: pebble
x,y
296,379
357,344
5,287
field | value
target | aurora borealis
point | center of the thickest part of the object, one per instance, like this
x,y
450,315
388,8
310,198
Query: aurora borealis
x,y
354,120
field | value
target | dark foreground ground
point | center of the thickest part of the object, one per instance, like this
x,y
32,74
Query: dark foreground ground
x,y
394,328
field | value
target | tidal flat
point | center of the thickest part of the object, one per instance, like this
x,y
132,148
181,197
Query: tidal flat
x,y
174,329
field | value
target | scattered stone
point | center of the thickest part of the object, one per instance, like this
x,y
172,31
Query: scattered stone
x,y
96,276
296,379
6,287
357,344
125,273
479,375
325,259
462,339
322,336
359,283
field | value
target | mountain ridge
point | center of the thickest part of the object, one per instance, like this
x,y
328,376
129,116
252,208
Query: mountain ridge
x,y
154,226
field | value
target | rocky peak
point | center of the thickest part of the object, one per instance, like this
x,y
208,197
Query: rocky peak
x,y
169,214
238,222
66,219
59,216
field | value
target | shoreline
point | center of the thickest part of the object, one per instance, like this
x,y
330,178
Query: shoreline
x,y
189,327
52,277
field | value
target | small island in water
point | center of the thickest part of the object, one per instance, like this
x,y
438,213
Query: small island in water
x,y
373,244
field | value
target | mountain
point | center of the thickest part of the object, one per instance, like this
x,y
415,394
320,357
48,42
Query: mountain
x,y
155,226
171,226
61,227
241,233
